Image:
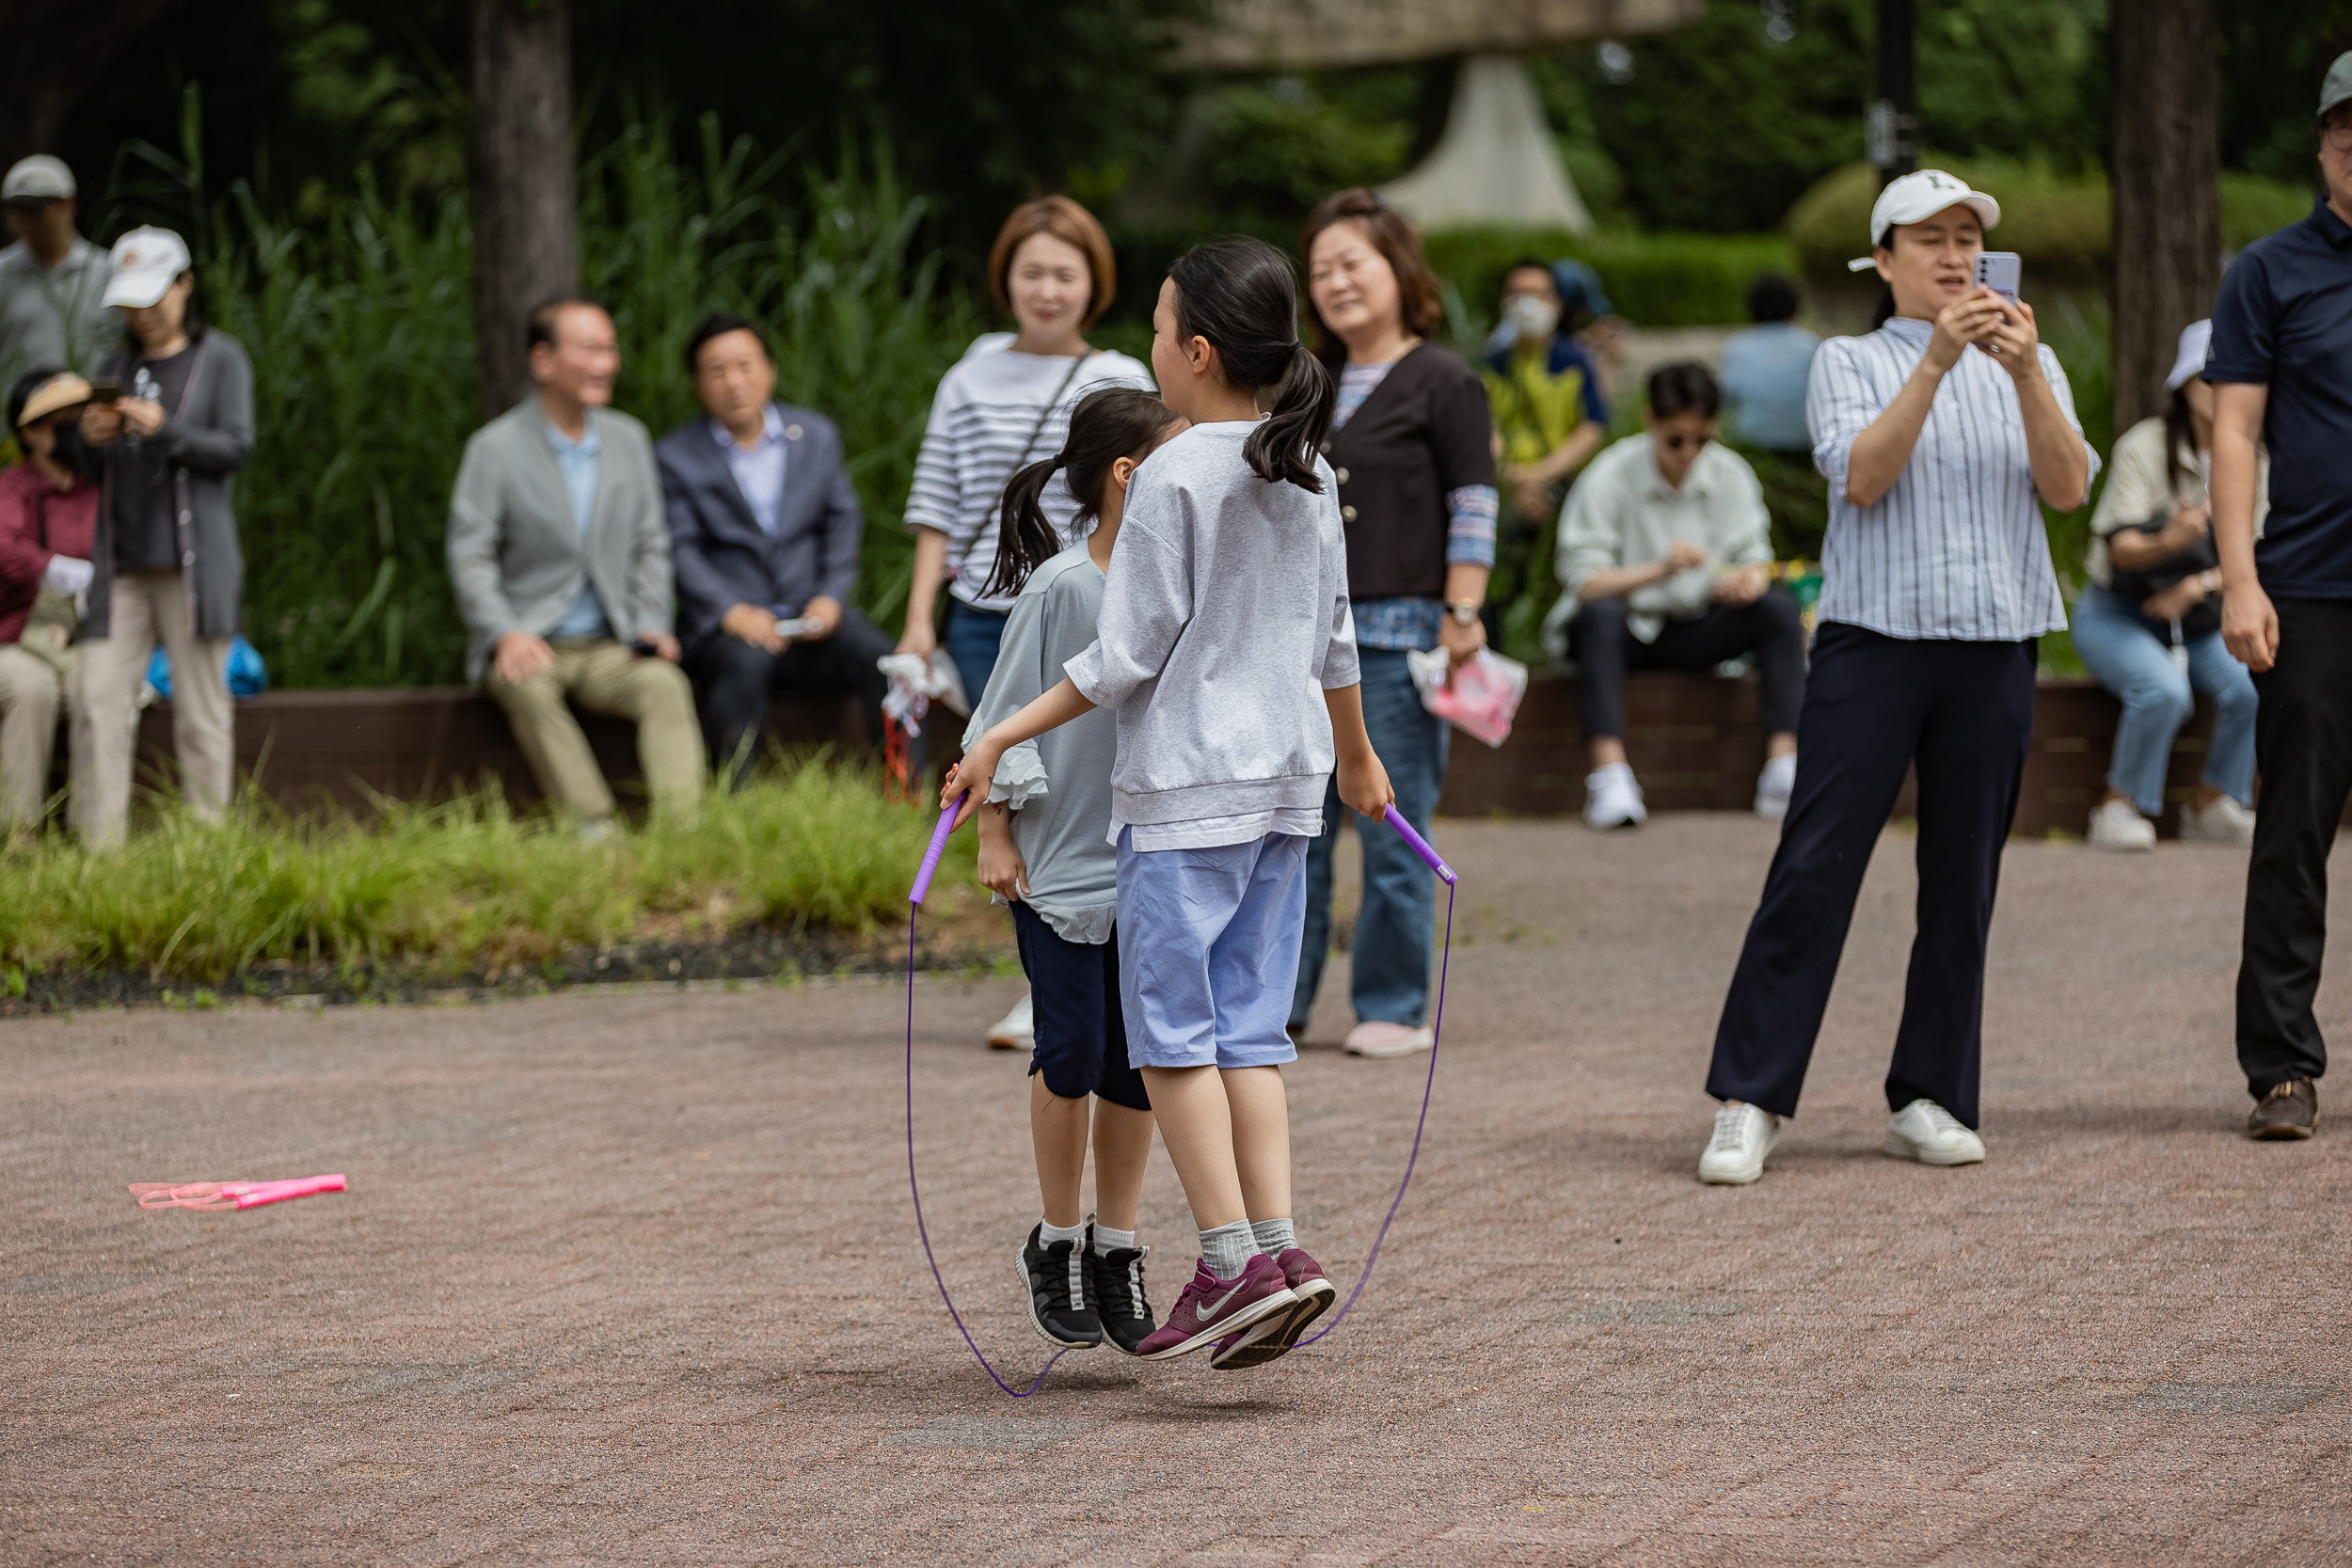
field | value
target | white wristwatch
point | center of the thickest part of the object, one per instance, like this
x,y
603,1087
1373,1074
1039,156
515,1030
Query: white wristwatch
x,y
1464,612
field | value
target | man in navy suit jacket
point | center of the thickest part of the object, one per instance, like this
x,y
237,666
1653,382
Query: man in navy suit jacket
x,y
763,529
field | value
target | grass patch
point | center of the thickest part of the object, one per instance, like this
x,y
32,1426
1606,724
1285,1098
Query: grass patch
x,y
470,884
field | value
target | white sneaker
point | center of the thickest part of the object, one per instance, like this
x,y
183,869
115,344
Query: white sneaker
x,y
1016,1030
1774,785
1925,1132
1612,799
1374,1037
1744,1136
2118,825
2223,822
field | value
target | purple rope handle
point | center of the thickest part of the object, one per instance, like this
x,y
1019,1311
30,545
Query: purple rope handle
x,y
1437,1037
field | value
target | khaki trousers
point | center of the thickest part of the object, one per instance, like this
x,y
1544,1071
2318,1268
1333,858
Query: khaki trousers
x,y
602,677
146,608
31,693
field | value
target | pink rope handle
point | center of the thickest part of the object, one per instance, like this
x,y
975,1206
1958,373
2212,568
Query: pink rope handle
x,y
230,1194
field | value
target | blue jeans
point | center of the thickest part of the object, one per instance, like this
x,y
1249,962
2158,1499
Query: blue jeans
x,y
1389,981
973,637
2132,657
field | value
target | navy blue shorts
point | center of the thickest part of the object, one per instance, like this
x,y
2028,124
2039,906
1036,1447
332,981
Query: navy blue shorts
x,y
1081,1035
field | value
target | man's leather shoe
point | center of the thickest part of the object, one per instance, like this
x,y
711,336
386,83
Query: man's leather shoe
x,y
2290,1110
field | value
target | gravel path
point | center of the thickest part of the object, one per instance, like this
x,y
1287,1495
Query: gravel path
x,y
633,1279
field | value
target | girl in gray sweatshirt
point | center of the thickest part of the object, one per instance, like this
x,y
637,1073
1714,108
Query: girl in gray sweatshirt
x,y
1225,651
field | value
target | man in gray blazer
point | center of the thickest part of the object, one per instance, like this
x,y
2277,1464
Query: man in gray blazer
x,y
561,560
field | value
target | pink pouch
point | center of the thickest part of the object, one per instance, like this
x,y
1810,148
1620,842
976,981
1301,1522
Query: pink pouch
x,y
1484,696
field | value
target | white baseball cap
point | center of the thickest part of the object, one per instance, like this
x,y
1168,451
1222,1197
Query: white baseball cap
x,y
145,260
38,177
1922,196
2189,363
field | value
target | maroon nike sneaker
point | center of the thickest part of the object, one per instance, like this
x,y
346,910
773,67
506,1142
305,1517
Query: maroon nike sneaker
x,y
1271,1338
1211,1308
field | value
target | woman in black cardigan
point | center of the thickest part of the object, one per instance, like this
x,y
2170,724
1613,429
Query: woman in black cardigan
x,y
1412,448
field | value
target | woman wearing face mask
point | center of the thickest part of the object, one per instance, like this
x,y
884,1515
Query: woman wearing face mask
x,y
1545,394
168,566
48,513
1412,446
1939,433
1005,405
1663,556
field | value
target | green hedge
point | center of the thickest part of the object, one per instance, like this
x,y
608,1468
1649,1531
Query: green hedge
x,y
1652,279
2061,226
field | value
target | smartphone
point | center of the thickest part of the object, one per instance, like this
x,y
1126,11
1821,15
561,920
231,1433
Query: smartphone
x,y
107,389
2001,270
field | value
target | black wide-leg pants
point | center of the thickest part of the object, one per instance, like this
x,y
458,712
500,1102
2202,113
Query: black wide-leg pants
x,y
1873,705
2303,755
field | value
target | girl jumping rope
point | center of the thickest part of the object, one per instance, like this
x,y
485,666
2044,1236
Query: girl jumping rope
x,y
1228,655
1046,849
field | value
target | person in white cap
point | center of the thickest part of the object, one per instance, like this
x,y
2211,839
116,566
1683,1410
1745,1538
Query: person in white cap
x,y
2148,622
1938,432
2280,365
53,282
170,566
48,513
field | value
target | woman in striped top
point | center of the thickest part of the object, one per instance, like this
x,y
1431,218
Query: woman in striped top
x,y
1938,434
1006,405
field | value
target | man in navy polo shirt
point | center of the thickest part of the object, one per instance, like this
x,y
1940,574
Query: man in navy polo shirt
x,y
2280,365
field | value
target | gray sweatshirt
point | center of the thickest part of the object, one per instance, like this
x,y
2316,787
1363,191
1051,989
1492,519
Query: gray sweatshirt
x,y
1058,785
1224,622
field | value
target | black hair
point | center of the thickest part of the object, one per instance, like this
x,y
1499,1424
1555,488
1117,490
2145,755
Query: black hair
x,y
21,391
1526,264
1884,311
191,320
1107,425
2180,437
1241,295
1772,298
719,326
539,327
1685,387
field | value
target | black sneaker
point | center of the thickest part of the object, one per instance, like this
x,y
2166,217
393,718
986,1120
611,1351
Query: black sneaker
x,y
1055,1275
1115,1290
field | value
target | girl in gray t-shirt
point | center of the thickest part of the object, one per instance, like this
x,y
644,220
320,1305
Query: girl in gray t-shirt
x,y
1046,849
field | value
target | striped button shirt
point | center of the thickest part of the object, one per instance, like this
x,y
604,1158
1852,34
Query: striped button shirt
x,y
1956,549
984,420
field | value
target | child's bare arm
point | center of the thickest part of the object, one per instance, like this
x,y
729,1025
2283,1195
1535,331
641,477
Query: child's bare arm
x,y
1363,782
970,778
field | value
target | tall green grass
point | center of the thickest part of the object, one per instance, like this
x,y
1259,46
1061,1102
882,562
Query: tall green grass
x,y
446,889
362,332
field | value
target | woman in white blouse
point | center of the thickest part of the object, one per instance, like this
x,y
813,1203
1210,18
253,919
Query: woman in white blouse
x,y
1939,433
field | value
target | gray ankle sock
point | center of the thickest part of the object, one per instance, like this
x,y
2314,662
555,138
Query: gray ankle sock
x,y
1274,1235
1107,1241
1048,1233
1229,1249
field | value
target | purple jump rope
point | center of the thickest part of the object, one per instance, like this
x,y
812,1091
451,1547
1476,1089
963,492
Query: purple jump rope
x,y
914,899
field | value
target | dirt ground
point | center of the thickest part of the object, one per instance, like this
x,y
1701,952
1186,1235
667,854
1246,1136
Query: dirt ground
x,y
633,1278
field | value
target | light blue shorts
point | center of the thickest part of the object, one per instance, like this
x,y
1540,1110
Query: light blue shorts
x,y
1208,951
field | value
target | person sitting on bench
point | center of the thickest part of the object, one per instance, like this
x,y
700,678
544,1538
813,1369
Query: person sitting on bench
x,y
1664,547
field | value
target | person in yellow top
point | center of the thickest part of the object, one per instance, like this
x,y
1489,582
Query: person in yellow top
x,y
1544,390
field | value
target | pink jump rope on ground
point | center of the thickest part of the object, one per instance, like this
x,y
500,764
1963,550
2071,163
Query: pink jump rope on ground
x,y
230,1194
914,899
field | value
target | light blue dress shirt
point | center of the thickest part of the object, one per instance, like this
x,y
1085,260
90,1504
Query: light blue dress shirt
x,y
578,460
759,472
1764,368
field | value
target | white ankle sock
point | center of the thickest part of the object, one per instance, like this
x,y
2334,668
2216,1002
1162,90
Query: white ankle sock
x,y
1107,1241
1229,1249
1048,1233
1274,1235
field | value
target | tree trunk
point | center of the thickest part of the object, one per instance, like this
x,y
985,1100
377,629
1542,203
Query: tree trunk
x,y
526,231
57,49
2166,164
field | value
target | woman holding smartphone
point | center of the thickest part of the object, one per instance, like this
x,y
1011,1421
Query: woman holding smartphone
x,y
1939,433
168,566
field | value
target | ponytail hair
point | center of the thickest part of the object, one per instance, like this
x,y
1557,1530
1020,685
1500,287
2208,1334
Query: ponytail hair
x,y
1239,295
1106,426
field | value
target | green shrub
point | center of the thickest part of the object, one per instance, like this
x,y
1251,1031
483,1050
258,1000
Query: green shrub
x,y
2063,227
444,889
1652,279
